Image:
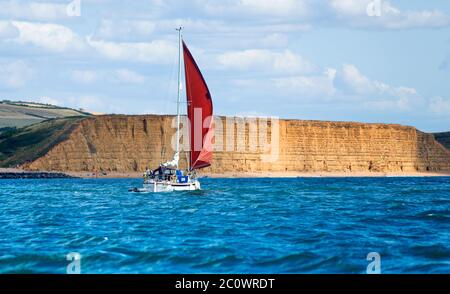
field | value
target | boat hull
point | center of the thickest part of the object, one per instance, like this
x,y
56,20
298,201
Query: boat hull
x,y
165,186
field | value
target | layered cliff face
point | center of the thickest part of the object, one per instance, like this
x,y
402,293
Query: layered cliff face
x,y
132,143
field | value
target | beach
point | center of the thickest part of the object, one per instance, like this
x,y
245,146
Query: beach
x,y
131,175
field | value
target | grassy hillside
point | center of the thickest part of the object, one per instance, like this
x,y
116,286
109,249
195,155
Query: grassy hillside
x,y
443,138
20,114
25,144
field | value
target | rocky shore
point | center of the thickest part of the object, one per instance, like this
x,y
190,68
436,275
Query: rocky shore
x,y
17,174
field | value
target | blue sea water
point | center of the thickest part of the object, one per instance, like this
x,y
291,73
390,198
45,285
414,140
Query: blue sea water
x,y
298,225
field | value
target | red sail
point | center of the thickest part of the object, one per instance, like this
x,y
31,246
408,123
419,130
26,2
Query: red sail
x,y
200,111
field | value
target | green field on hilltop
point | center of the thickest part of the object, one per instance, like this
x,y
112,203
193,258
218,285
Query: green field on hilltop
x,y
20,114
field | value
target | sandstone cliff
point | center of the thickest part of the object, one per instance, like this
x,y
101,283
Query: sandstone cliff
x,y
131,143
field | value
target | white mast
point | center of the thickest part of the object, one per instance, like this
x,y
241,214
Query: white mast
x,y
180,86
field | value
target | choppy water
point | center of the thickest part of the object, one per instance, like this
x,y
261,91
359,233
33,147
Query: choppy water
x,y
233,225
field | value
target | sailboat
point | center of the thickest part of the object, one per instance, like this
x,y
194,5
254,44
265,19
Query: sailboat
x,y
168,176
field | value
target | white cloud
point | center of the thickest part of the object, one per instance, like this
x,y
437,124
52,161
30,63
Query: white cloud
x,y
158,51
253,59
8,30
275,7
59,38
278,8
15,74
245,59
291,62
215,32
292,87
274,40
122,29
349,84
53,37
129,76
346,12
25,10
416,19
350,7
401,103
440,106
87,102
84,76
48,100
375,95
119,75
310,86
388,16
351,81
269,33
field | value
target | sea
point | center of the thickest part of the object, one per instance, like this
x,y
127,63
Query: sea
x,y
264,225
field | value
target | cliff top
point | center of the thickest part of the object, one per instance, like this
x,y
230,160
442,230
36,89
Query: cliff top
x,y
322,122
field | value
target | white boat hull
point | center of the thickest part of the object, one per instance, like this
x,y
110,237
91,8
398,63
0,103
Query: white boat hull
x,y
166,186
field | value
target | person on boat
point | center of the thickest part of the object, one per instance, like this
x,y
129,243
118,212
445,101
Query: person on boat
x,y
159,173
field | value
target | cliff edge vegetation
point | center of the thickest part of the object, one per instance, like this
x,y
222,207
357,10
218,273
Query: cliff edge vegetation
x,y
21,145
443,138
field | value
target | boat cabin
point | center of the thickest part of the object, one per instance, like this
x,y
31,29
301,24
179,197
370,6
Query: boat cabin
x,y
167,174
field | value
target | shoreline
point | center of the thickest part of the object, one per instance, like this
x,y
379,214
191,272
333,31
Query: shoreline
x,y
7,174
134,175
327,175
137,175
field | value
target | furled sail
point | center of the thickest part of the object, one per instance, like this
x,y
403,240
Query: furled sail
x,y
173,163
200,111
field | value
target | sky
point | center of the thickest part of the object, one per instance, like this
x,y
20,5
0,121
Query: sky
x,y
341,60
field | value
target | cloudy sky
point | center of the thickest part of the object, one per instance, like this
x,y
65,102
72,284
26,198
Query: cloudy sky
x,y
350,60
